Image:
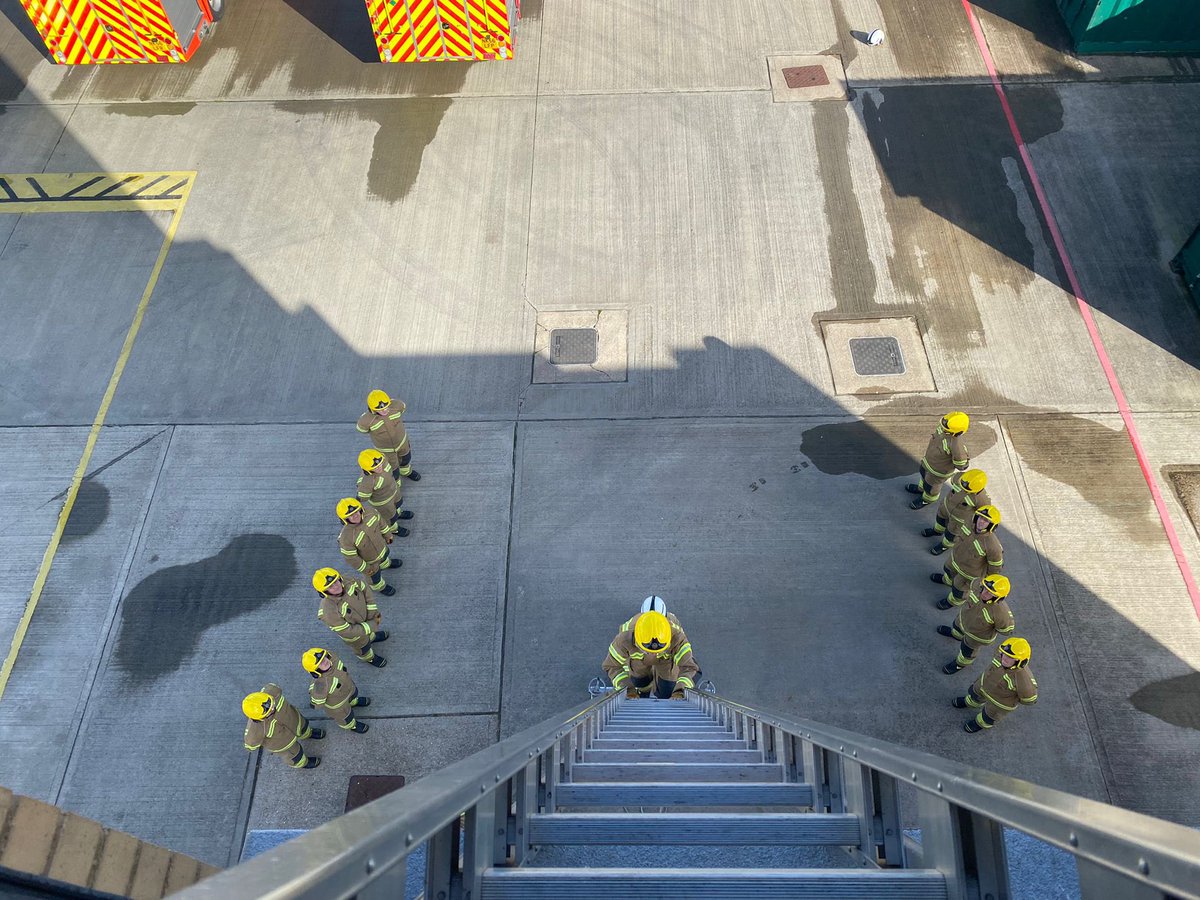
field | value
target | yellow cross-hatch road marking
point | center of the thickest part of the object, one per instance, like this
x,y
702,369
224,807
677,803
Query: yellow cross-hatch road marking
x,y
91,192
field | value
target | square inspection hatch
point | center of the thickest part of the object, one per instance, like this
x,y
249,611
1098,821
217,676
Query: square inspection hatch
x,y
577,346
806,78
877,356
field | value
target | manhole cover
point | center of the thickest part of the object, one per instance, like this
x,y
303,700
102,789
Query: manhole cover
x,y
805,76
876,356
365,788
573,346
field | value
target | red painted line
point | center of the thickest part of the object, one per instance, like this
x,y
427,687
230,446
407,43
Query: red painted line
x,y
1085,310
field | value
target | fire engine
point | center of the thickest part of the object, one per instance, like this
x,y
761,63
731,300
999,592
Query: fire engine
x,y
79,32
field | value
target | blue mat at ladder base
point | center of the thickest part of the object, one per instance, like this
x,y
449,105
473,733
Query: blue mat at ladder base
x,y
1036,870
266,839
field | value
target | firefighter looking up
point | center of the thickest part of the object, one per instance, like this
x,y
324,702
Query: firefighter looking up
x,y
275,724
956,509
1004,685
380,492
350,612
386,428
652,657
364,545
946,452
975,554
983,616
333,689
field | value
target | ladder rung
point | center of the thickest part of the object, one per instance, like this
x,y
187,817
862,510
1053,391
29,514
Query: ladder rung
x,y
740,772
676,755
712,884
675,794
704,743
781,829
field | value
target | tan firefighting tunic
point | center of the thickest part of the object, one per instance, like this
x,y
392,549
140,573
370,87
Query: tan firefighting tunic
x,y
626,660
331,691
380,493
975,555
387,431
978,622
1002,690
363,545
961,512
353,617
281,731
945,453
950,497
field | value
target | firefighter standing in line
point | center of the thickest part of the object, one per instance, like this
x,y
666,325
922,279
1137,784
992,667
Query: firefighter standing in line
x,y
364,545
983,616
976,554
956,507
278,726
1004,685
386,428
946,452
350,612
655,656
381,492
333,689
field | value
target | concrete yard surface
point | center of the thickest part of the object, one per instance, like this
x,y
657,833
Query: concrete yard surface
x,y
426,228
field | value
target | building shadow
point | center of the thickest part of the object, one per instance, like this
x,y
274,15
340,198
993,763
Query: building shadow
x,y
347,24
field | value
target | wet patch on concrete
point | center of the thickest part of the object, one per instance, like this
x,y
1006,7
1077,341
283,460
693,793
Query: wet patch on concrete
x,y
1097,462
164,615
89,512
925,37
1175,701
406,128
149,110
940,149
1185,480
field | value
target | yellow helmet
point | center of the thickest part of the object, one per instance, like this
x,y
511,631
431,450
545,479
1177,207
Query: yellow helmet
x,y
312,658
323,578
998,585
377,400
369,459
1018,649
956,422
652,632
973,481
346,507
990,513
257,706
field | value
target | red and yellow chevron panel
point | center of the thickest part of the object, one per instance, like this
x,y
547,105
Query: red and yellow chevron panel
x,y
428,30
79,32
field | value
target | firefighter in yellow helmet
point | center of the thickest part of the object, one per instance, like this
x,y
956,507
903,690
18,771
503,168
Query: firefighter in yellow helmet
x,y
380,493
946,452
976,554
349,609
981,619
384,423
1004,685
956,508
333,689
274,724
654,656
364,545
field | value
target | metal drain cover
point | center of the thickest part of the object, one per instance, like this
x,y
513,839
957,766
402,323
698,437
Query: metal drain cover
x,y
805,76
365,788
574,346
876,356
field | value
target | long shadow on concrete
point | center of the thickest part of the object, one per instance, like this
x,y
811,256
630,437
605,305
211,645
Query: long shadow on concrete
x,y
859,619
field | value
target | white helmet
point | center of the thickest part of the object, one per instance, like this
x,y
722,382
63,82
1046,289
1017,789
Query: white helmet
x,y
654,604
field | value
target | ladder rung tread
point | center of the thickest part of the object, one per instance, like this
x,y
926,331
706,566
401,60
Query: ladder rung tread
x,y
666,829
667,744
693,794
679,754
713,884
742,772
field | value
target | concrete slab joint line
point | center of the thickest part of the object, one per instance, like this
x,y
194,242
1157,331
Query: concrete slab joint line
x,y
806,78
1085,311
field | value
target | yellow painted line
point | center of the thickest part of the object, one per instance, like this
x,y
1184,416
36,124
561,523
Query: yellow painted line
x,y
39,583
93,191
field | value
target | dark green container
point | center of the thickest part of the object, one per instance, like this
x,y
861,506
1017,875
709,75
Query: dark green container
x,y
1187,264
1133,26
